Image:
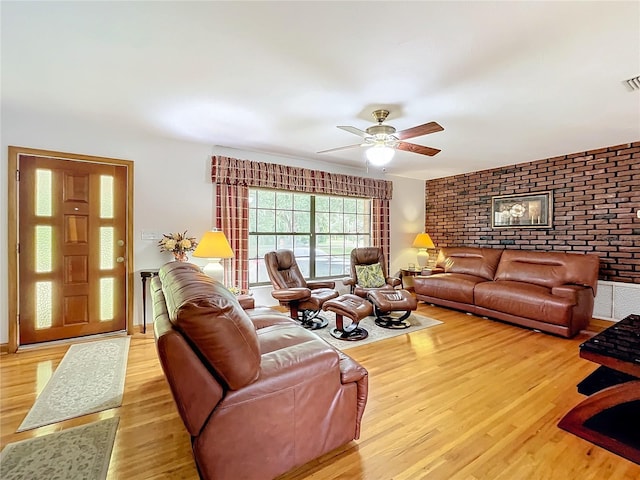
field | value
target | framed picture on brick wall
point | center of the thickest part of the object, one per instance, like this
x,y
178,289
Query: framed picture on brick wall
x,y
531,210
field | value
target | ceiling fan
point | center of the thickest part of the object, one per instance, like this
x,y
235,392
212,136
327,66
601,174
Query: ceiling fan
x,y
383,140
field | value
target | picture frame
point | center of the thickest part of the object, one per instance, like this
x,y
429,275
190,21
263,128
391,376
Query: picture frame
x,y
530,210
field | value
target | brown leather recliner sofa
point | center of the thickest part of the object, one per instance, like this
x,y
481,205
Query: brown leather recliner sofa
x,y
258,393
548,291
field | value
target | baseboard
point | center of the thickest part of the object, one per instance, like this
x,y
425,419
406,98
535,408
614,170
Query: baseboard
x,y
4,348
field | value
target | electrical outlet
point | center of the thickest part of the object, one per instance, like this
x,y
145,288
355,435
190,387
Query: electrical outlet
x,y
151,235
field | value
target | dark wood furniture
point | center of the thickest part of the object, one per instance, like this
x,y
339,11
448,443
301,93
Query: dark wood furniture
x,y
144,275
610,416
412,272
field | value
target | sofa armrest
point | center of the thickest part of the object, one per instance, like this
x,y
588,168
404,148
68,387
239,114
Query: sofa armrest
x,y
291,294
568,291
313,284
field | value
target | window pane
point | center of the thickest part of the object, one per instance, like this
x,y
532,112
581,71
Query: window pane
x,y
106,299
44,304
106,248
302,202
322,203
44,248
253,220
266,221
363,224
336,223
285,241
349,205
350,223
106,196
43,193
266,199
322,222
284,221
322,242
336,204
302,241
301,222
284,200
266,243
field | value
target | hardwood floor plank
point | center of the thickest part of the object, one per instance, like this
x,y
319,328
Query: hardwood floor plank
x,y
469,399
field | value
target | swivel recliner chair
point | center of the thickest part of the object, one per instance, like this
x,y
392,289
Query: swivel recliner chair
x,y
369,272
303,298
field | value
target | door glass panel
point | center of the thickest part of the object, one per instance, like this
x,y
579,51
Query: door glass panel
x,y
106,196
43,192
44,307
106,248
44,248
106,299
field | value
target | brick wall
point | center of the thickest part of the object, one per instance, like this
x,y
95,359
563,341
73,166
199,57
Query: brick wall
x,y
596,196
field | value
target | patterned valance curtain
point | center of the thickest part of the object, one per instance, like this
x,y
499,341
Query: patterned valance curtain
x,y
284,177
233,177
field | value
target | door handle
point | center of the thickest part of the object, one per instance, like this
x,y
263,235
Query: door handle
x,y
120,259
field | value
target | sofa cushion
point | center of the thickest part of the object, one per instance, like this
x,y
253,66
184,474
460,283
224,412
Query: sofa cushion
x,y
212,319
455,287
370,276
481,262
525,300
549,269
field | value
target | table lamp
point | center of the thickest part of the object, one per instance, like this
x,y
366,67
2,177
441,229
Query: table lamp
x,y
422,242
214,246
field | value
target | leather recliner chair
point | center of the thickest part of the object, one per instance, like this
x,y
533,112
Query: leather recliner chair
x,y
303,298
365,256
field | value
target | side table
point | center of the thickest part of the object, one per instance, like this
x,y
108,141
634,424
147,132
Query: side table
x,y
412,272
144,275
610,415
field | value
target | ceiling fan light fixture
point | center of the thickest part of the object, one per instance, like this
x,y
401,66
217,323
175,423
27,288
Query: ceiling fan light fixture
x,y
379,155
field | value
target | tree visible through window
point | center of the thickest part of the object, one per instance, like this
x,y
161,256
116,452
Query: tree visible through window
x,y
320,229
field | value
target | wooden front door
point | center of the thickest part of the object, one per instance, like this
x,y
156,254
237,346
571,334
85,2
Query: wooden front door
x,y
72,247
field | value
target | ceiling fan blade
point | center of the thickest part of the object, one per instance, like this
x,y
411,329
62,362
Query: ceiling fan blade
x,y
341,148
412,147
418,131
354,130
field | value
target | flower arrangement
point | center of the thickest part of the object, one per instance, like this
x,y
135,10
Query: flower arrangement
x,y
178,244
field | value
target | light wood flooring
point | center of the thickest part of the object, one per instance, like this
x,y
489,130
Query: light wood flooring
x,y
469,399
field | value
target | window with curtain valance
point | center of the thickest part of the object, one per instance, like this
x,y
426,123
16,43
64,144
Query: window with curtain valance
x,y
233,178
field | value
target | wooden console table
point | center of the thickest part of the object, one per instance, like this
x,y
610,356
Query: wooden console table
x,y
610,416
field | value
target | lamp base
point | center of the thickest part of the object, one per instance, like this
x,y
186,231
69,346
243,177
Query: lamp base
x,y
214,269
423,257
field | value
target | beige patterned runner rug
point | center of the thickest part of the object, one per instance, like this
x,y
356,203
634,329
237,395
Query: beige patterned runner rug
x,y
78,453
89,379
376,333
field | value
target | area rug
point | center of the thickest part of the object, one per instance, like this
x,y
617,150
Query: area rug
x,y
376,333
90,378
78,453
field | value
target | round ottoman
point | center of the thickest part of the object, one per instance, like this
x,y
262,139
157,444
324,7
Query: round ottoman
x,y
387,301
353,307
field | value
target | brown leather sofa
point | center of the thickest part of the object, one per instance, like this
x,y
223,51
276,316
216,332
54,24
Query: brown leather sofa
x,y
548,291
258,393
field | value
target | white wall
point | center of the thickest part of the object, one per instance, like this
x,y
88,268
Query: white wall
x,y
173,190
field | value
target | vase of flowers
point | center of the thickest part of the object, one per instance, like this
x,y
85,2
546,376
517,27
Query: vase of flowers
x,y
178,244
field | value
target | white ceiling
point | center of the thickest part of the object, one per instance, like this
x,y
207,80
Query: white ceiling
x,y
510,82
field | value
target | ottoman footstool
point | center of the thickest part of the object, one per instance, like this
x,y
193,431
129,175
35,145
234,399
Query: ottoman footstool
x,y
353,307
387,301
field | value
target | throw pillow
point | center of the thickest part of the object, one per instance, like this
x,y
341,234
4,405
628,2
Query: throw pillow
x,y
370,276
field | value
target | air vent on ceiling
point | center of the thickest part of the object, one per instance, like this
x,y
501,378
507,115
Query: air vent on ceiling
x,y
633,83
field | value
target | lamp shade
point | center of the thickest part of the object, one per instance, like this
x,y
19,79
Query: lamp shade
x,y
213,244
379,154
423,240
